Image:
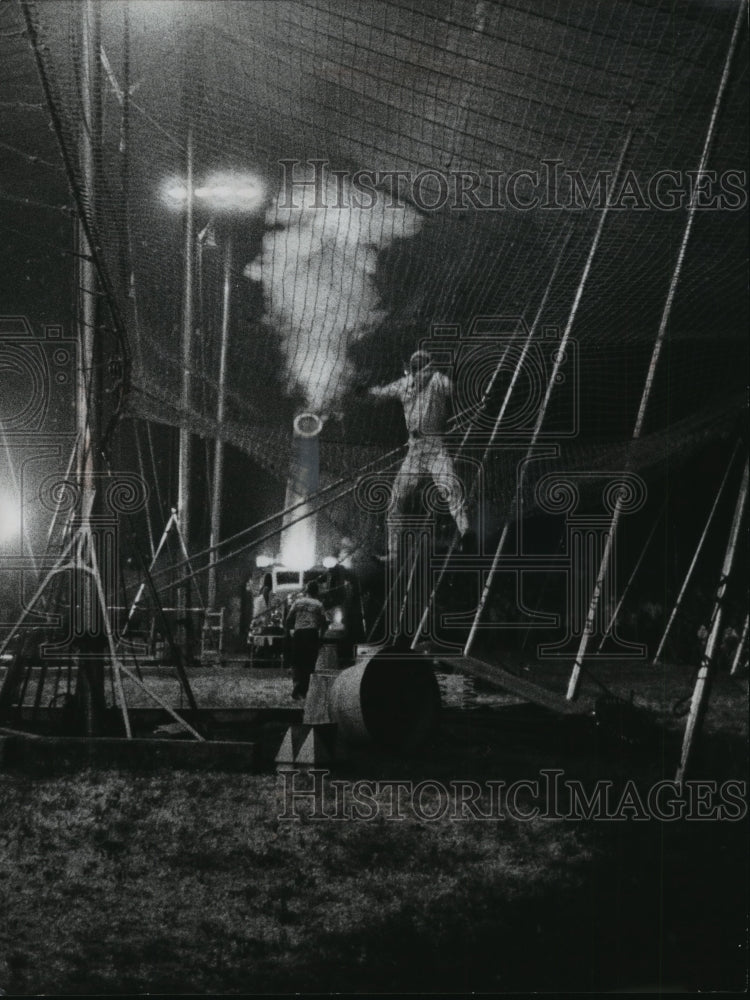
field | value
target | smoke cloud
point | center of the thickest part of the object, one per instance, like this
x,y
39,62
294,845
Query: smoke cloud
x,y
317,265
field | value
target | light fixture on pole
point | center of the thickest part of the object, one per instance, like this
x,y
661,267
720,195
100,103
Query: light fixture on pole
x,y
227,195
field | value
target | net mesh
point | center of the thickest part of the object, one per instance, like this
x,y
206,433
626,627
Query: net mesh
x,y
525,107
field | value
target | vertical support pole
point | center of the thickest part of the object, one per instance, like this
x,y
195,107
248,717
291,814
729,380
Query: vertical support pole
x,y
142,473
575,675
125,161
90,680
694,560
708,663
96,575
216,496
183,469
86,410
740,647
628,585
183,461
588,537
548,393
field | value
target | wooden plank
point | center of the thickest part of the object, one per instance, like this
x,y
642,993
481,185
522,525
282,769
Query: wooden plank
x,y
492,674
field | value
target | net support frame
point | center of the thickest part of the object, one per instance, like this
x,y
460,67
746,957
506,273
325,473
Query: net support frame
x,y
575,676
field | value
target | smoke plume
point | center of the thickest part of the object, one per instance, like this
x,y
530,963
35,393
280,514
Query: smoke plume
x,y
317,265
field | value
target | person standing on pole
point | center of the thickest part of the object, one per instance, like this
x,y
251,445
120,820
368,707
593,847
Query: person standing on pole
x,y
426,396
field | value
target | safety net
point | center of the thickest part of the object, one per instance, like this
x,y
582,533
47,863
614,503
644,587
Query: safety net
x,y
375,177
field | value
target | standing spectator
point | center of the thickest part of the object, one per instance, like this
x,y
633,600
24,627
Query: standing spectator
x,y
307,623
262,602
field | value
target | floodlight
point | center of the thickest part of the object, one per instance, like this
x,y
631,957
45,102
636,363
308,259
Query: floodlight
x,y
177,192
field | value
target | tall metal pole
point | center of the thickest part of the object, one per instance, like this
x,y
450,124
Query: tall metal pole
x,y
90,680
694,560
560,353
87,410
183,468
575,675
216,497
708,662
183,460
740,647
628,585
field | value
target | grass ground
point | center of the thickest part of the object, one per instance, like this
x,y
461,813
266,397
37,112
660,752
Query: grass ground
x,y
172,882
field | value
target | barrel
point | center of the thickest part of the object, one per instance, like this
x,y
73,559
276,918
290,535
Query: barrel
x,y
390,698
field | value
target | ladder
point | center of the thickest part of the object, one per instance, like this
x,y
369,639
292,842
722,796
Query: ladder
x,y
212,635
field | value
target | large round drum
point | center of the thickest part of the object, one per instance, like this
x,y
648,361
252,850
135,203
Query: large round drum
x,y
390,698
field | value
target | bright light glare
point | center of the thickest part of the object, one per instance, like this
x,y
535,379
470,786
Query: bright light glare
x,y
229,192
329,562
300,562
262,562
241,192
298,546
10,518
